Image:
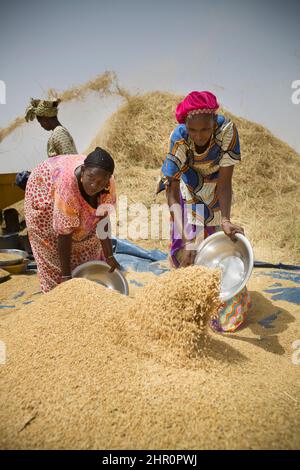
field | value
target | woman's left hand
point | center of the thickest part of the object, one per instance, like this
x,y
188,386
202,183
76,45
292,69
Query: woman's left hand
x,y
113,263
231,229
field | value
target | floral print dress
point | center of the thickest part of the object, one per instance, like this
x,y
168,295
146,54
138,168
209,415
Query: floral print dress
x,y
54,206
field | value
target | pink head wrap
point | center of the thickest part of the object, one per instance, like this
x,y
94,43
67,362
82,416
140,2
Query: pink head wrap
x,y
196,102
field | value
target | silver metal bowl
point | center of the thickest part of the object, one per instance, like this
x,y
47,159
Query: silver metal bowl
x,y
18,253
19,268
98,271
235,259
5,277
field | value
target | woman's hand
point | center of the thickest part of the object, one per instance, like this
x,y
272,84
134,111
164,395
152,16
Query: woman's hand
x,y
113,263
188,258
231,229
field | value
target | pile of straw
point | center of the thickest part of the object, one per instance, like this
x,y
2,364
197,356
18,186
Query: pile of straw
x,y
105,84
265,183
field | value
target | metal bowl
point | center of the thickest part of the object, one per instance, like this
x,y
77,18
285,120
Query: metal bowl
x,y
4,277
18,268
22,255
98,271
235,259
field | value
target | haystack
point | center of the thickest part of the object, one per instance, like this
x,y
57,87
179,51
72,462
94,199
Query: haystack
x,y
265,184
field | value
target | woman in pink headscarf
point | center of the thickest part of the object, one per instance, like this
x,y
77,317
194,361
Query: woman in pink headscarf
x,y
197,175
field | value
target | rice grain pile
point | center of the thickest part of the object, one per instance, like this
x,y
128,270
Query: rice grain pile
x,y
9,257
88,368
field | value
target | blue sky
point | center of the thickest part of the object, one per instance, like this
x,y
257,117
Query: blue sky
x,y
248,53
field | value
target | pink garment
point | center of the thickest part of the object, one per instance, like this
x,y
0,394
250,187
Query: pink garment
x,y
54,206
201,101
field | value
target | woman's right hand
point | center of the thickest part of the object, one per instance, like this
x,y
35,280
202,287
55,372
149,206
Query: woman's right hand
x,y
231,229
113,263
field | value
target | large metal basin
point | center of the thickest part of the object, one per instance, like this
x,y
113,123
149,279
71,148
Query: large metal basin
x,y
20,256
235,259
98,271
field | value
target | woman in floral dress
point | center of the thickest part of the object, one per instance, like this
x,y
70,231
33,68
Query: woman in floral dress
x,y
64,201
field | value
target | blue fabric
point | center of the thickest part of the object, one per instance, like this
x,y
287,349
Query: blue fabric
x,y
139,265
291,294
122,246
131,256
284,275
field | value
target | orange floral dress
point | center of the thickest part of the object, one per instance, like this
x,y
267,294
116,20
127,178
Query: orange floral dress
x,y
54,206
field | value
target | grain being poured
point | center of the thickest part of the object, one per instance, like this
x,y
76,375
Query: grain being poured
x,y
176,307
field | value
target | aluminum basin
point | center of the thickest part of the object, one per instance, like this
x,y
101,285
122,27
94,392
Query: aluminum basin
x,y
235,259
98,271
20,256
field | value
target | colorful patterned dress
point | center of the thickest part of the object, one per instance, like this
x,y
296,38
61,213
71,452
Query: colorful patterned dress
x,y
198,175
54,206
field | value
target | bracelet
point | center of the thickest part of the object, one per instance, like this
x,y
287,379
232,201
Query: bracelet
x,y
111,256
225,220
